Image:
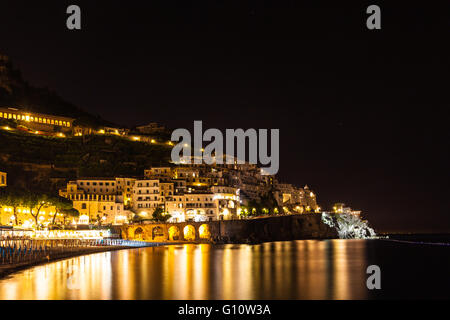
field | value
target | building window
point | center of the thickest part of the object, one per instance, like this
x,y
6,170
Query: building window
x,y
83,206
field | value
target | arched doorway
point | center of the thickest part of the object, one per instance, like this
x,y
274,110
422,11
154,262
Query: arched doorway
x,y
157,232
189,233
139,234
204,232
174,233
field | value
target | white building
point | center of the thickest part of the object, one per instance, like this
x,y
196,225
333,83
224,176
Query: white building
x,y
146,197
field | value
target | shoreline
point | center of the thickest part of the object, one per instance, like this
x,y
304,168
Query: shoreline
x,y
6,270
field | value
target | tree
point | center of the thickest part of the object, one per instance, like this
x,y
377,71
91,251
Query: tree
x,y
62,205
13,197
159,215
70,213
36,200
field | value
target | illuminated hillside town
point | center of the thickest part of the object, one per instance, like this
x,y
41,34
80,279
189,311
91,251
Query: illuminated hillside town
x,y
196,192
202,154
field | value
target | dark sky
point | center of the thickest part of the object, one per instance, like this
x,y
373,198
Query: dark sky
x,y
362,114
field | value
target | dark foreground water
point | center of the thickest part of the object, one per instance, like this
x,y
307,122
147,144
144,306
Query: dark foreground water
x,y
330,269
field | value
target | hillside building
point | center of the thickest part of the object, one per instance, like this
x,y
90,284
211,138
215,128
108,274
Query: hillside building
x,y
37,121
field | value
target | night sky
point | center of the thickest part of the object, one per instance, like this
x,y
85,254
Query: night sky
x,y
362,114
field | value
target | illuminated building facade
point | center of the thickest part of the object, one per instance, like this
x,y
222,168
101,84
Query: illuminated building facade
x,y
99,199
146,197
204,206
36,121
100,208
186,193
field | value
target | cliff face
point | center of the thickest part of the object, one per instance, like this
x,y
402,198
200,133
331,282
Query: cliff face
x,y
292,227
283,228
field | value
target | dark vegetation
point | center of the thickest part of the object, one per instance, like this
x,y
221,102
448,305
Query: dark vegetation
x,y
88,156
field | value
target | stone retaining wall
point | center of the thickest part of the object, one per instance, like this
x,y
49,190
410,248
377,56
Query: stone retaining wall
x,y
292,227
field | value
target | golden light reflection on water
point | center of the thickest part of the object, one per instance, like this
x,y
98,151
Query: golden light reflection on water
x,y
307,269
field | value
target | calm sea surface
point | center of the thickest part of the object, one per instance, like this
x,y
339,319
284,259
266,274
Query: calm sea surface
x,y
309,269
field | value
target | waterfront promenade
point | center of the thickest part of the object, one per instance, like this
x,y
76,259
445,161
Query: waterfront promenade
x,y
17,254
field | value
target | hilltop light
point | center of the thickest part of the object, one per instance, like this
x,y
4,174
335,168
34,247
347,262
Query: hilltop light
x,y
153,141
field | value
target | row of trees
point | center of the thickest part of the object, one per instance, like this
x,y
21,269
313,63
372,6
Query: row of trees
x,y
35,202
267,206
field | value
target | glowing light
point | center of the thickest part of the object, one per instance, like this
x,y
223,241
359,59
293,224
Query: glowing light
x,y
84,219
204,232
27,224
71,234
189,233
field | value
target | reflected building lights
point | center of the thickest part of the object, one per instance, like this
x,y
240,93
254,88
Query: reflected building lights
x,y
281,270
